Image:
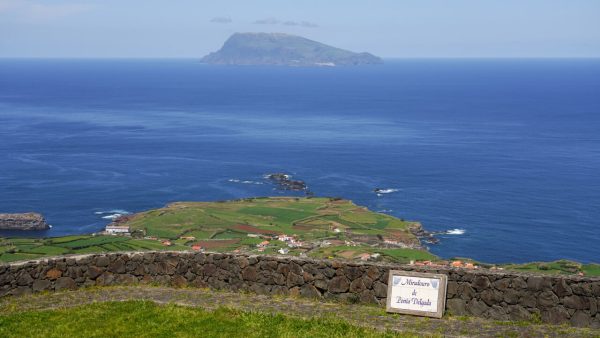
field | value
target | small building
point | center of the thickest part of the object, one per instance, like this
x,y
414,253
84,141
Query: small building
x,y
390,241
365,256
456,264
285,238
283,251
196,247
116,229
188,238
166,242
263,244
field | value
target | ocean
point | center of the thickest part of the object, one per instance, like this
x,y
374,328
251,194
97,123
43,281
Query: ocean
x,y
504,153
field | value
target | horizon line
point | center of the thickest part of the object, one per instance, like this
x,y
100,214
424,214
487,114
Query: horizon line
x,y
382,57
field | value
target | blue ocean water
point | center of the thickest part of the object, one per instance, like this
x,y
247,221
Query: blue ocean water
x,y
506,150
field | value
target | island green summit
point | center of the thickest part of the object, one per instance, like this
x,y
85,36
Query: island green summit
x,y
330,228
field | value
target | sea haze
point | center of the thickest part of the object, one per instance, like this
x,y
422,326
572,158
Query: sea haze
x,y
505,151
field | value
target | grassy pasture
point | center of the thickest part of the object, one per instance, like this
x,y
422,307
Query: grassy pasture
x,y
147,319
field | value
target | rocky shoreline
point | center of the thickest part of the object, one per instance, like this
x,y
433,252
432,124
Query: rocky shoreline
x,y
24,221
284,182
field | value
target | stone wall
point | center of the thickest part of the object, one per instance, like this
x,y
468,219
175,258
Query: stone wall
x,y
489,294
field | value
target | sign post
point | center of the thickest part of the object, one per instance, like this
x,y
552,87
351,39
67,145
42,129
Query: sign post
x,y
416,293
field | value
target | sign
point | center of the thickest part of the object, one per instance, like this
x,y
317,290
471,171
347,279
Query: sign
x,y
416,293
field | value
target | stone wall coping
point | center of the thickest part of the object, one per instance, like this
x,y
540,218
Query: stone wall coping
x,y
303,260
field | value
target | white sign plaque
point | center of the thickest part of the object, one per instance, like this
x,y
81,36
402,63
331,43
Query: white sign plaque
x,y
416,293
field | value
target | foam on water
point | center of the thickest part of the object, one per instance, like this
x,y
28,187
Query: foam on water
x,y
112,211
112,214
235,180
386,191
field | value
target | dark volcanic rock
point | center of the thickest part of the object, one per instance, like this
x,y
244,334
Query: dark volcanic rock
x,y
284,50
26,221
284,182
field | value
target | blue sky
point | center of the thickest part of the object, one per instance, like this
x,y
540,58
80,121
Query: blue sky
x,y
389,28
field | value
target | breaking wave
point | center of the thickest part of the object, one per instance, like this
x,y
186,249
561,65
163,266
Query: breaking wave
x,y
380,192
385,210
112,214
235,180
455,232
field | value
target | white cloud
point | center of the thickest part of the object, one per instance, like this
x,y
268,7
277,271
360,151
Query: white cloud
x,y
221,19
36,11
301,24
275,21
267,21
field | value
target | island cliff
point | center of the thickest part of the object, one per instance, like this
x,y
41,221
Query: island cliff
x,y
25,221
284,50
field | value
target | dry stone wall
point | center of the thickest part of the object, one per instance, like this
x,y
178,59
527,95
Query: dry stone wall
x,y
482,293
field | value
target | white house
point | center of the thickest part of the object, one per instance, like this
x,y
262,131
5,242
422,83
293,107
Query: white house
x,y
116,229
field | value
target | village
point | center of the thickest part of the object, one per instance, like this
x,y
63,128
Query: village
x,y
283,244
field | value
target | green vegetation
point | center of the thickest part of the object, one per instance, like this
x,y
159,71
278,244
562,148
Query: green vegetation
x,y
271,215
226,226
15,249
561,267
402,256
147,319
324,227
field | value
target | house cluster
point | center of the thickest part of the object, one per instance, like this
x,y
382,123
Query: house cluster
x,y
262,246
291,241
460,264
391,241
350,243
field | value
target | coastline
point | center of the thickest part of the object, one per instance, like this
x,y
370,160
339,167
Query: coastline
x,y
340,241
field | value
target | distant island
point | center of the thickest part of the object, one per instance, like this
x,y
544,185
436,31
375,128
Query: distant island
x,y
284,50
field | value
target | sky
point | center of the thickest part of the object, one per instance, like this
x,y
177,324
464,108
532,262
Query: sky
x,y
387,28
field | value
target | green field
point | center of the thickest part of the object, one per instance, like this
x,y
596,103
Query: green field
x,y
147,319
283,215
310,219
327,228
17,249
561,267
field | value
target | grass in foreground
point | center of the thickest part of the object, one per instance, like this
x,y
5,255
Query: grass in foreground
x,y
147,319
